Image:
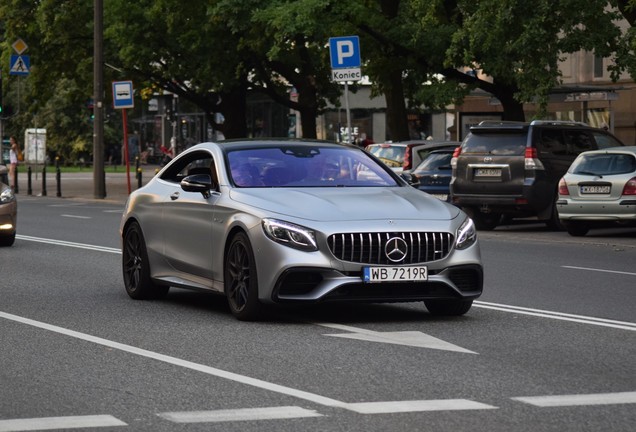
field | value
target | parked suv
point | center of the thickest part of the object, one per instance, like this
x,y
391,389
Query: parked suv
x,y
512,169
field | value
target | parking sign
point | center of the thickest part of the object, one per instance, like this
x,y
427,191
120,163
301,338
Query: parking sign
x,y
345,52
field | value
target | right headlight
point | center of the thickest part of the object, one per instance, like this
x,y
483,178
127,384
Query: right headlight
x,y
290,234
466,235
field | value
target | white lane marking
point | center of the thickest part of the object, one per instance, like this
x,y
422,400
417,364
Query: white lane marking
x,y
579,400
244,414
417,406
68,244
408,338
76,216
599,270
120,211
623,325
254,382
50,423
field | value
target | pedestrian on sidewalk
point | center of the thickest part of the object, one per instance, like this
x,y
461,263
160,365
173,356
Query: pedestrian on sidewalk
x,y
15,154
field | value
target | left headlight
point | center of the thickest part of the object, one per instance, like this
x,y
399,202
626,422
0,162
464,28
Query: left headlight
x,y
6,195
290,234
466,235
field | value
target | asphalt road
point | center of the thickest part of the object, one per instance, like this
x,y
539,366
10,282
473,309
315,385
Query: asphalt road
x,y
549,346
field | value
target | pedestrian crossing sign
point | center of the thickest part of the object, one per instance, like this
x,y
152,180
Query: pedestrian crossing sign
x,y
20,65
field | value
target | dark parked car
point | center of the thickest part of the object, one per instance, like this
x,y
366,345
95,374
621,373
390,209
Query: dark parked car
x,y
404,155
434,172
512,169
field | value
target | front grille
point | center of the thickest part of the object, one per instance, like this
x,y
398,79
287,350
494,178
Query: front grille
x,y
369,248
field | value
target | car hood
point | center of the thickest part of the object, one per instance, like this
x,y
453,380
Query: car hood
x,y
347,204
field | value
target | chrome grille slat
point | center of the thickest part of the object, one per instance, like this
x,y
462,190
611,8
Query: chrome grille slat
x,y
368,248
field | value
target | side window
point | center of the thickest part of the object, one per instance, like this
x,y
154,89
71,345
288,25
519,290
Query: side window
x,y
579,141
604,140
551,141
199,162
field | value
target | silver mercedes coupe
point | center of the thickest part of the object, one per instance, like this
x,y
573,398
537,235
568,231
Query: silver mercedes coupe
x,y
278,221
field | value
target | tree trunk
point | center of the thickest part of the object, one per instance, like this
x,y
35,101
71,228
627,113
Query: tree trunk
x,y
233,106
396,116
307,101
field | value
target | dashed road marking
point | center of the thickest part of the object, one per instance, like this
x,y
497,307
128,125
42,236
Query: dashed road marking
x,y
580,399
52,423
244,414
417,406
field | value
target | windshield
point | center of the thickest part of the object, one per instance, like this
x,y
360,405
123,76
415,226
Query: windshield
x,y
603,164
305,166
498,144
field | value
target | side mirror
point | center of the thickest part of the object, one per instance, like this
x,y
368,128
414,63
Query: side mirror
x,y
201,183
410,178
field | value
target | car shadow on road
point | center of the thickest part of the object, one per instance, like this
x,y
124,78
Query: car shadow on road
x,y
335,312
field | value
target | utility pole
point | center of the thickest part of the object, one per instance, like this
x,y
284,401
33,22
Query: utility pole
x,y
99,180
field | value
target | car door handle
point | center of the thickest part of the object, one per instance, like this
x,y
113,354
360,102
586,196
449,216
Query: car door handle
x,y
174,196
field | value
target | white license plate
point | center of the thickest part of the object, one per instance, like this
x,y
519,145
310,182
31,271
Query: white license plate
x,y
488,172
595,189
394,274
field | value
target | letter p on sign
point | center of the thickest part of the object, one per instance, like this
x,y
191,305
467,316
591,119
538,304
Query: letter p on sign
x,y
344,52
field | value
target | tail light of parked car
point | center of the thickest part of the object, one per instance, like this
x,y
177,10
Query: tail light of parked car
x,y
563,187
456,154
630,187
532,161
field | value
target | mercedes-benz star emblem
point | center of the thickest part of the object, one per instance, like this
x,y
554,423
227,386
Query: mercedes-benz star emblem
x,y
396,249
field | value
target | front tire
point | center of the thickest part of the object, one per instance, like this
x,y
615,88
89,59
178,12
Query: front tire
x,y
240,281
7,240
136,267
443,307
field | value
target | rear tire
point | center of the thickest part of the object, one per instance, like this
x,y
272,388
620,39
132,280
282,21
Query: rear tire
x,y
443,307
576,229
483,221
136,267
554,223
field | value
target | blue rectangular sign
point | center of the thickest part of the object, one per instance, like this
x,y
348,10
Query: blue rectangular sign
x,y
123,94
344,52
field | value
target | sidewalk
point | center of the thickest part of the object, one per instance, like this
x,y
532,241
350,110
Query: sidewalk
x,y
80,185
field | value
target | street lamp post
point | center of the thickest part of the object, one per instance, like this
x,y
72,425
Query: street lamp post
x,y
99,181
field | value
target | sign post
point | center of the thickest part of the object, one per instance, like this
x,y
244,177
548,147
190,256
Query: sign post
x,y
122,99
345,66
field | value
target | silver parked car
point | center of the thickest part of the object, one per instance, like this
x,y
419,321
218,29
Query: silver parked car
x,y
274,221
598,190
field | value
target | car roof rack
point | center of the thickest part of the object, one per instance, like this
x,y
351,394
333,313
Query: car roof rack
x,y
500,123
558,123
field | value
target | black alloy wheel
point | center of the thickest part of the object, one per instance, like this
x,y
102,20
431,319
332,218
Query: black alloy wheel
x,y
136,267
241,285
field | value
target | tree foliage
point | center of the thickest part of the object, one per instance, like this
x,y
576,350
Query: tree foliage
x,y
417,53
